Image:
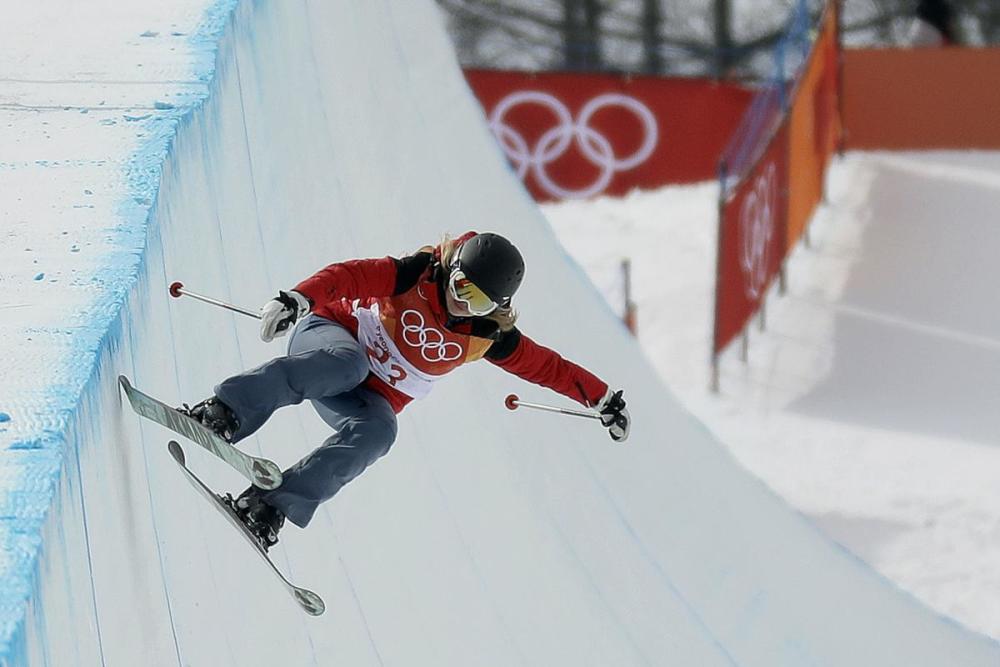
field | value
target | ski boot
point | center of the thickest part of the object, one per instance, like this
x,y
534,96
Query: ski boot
x,y
262,520
215,415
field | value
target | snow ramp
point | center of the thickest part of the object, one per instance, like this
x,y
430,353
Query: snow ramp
x,y
330,130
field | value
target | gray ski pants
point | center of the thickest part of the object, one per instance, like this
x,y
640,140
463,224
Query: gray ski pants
x,y
326,366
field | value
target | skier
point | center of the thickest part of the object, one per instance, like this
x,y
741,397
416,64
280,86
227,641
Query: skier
x,y
372,335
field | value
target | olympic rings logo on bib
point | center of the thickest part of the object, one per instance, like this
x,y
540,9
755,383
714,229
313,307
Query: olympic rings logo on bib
x,y
433,347
554,143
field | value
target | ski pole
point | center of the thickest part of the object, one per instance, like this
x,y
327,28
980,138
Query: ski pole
x,y
513,403
177,291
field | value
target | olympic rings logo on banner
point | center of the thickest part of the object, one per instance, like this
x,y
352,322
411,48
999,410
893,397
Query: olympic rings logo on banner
x,y
554,143
430,341
757,227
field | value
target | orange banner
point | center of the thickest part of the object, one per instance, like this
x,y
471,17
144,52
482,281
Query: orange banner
x,y
927,98
815,128
574,136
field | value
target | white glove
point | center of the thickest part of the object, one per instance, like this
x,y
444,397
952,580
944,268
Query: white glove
x,y
280,313
614,416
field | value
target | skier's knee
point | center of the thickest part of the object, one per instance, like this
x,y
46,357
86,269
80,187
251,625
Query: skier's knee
x,y
381,433
374,435
351,362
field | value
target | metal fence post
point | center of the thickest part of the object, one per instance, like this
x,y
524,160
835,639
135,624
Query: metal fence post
x,y
629,313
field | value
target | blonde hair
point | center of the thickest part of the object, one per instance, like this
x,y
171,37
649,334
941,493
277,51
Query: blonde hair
x,y
504,317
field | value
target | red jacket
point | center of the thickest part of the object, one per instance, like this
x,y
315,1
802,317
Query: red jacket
x,y
396,308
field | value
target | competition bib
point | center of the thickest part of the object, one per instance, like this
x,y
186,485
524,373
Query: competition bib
x,y
388,363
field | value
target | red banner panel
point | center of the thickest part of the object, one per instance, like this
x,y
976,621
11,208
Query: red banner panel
x,y
575,136
752,241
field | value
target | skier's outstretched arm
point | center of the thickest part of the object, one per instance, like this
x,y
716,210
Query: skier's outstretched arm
x,y
517,354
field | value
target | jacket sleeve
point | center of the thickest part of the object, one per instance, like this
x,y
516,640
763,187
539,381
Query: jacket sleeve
x,y
357,278
517,354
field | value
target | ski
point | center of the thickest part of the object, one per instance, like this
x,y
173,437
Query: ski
x,y
310,602
261,472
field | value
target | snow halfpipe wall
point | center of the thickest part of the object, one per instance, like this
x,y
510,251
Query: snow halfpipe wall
x,y
335,129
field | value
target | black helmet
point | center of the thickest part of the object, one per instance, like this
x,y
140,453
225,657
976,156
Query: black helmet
x,y
493,264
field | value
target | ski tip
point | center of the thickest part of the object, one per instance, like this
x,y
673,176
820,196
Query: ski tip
x,y
310,602
124,381
175,451
266,474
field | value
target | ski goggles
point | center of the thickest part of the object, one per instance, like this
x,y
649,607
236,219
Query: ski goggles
x,y
465,292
